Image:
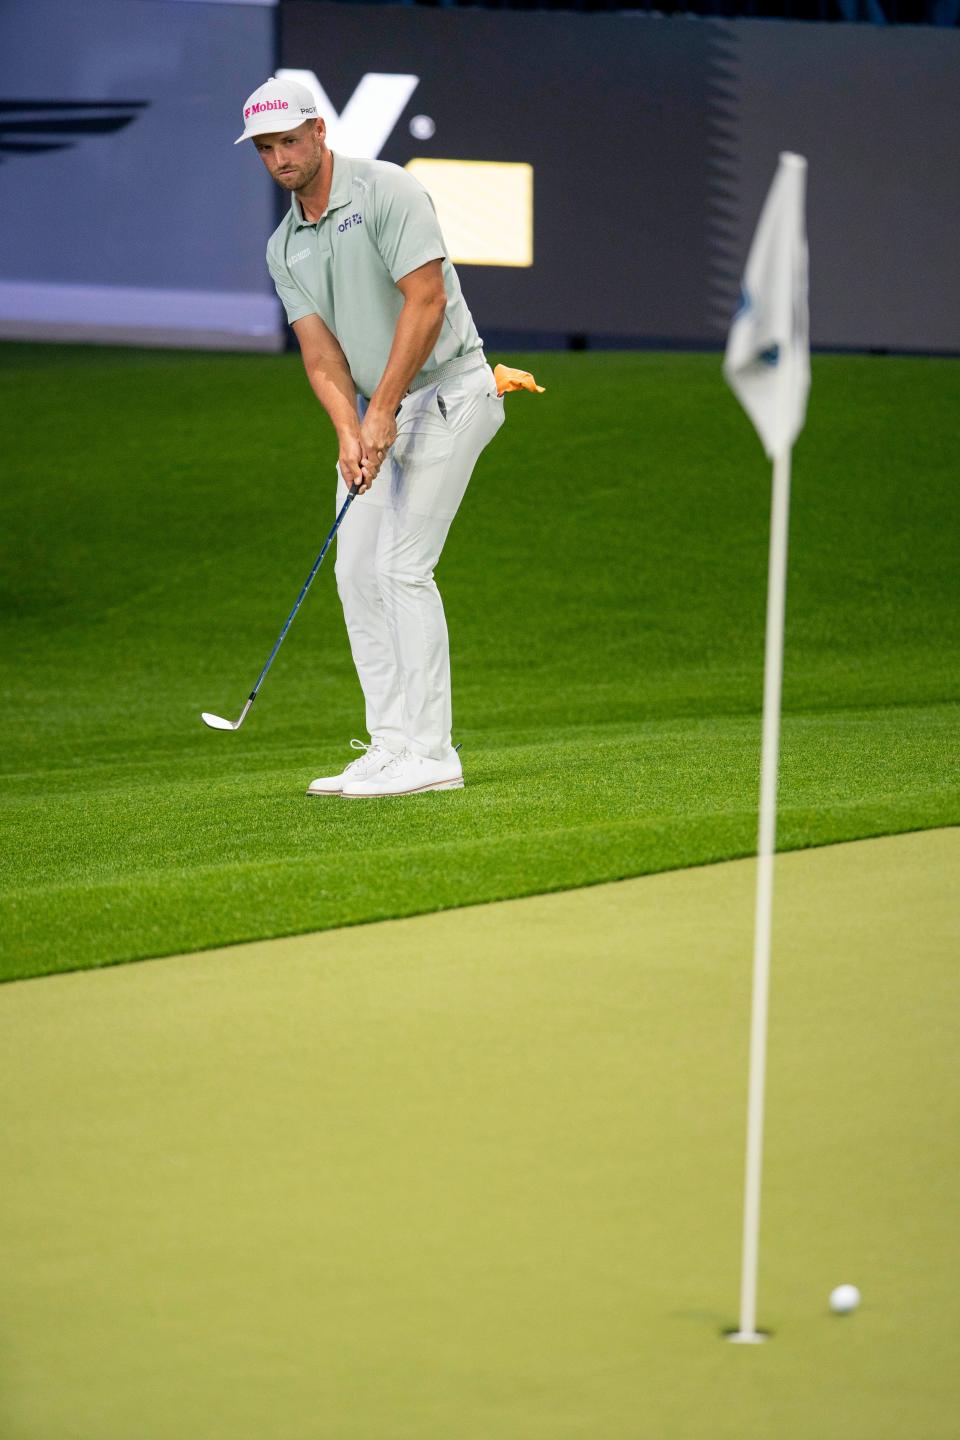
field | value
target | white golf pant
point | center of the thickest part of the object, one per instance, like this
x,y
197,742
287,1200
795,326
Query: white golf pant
x,y
391,539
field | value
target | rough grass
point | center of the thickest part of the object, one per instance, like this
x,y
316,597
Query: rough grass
x,y
605,588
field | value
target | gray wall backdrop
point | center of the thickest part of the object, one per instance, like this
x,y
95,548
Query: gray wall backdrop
x,y
157,229
876,111
653,142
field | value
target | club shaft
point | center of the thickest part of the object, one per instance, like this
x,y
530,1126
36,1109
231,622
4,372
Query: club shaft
x,y
300,598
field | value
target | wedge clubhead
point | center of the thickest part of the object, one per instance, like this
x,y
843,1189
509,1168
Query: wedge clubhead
x,y
217,722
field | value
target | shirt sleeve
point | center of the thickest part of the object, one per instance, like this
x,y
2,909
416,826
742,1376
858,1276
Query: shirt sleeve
x,y
405,224
294,300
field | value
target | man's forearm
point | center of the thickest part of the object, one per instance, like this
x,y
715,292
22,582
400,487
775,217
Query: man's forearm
x,y
418,328
332,383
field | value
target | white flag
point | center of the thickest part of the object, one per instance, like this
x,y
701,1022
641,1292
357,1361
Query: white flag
x,y
767,363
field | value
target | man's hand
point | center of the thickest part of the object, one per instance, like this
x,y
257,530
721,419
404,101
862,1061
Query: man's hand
x,y
350,463
377,433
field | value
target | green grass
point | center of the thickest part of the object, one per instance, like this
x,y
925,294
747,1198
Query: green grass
x,y
605,589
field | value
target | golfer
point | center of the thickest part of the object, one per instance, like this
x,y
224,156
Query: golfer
x,y
393,356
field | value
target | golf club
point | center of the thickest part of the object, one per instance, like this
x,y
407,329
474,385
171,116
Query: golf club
x,y
217,722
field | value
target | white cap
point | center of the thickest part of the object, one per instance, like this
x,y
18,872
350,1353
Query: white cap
x,y
277,105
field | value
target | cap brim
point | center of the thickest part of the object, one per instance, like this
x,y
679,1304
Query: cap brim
x,y
269,126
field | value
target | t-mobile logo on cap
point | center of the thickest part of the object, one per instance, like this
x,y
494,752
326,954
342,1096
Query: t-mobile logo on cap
x,y
262,105
369,115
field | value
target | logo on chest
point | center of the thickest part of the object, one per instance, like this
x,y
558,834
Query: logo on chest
x,y
349,223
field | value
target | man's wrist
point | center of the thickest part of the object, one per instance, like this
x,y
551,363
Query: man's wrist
x,y
385,402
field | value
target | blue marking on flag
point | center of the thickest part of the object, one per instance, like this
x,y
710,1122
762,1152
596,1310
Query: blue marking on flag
x,y
746,303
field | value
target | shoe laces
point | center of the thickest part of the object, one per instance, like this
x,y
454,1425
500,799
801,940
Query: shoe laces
x,y
402,758
370,752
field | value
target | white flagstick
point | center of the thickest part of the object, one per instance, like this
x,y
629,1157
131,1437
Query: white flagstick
x,y
767,365
766,849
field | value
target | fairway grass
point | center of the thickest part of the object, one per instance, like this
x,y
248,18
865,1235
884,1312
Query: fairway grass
x,y
247,853
479,1174
605,589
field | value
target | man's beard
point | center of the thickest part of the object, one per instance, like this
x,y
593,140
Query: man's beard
x,y
300,176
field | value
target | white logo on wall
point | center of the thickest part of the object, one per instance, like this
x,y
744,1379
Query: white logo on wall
x,y
485,208
370,114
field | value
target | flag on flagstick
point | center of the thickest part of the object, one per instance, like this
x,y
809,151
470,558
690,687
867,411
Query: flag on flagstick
x,y
767,365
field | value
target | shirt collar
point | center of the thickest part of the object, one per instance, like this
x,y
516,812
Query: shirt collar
x,y
341,190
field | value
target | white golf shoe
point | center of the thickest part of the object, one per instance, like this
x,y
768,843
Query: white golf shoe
x,y
407,774
374,758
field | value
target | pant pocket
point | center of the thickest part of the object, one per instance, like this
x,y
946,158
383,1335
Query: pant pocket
x,y
419,474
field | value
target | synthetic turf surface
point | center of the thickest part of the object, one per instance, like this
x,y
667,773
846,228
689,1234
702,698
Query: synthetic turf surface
x,y
473,1175
605,587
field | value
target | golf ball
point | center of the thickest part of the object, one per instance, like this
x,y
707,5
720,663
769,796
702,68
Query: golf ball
x,y
844,1299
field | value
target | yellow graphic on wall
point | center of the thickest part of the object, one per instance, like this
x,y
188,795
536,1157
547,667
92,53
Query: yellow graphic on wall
x,y
485,209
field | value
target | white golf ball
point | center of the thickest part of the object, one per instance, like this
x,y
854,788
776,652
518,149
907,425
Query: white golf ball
x,y
844,1299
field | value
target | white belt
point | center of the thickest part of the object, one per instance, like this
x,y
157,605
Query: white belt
x,y
457,366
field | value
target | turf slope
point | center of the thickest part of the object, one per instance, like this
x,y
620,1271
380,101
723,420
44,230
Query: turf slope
x,y
605,587
468,1175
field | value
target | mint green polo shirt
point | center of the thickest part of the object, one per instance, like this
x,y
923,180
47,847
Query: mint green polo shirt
x,y
379,225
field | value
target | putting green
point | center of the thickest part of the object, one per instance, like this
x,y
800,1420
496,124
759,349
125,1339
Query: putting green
x,y
478,1174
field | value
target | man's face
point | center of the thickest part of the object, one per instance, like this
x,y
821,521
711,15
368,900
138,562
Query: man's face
x,y
293,157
